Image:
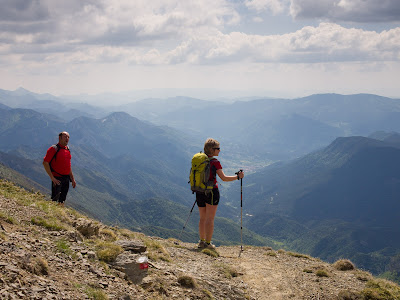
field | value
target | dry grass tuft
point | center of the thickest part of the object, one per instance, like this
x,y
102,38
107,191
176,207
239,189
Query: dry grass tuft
x,y
271,253
36,265
7,218
108,234
343,265
381,289
208,294
187,281
96,293
322,273
299,255
107,251
228,271
209,252
156,250
363,275
349,295
50,223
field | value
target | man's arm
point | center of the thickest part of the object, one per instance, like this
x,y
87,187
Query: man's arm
x,y
46,166
71,175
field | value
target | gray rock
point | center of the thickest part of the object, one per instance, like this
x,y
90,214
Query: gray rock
x,y
134,246
75,236
86,227
91,254
127,263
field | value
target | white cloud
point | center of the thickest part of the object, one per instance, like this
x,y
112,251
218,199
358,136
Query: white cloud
x,y
172,42
326,43
275,6
111,22
347,10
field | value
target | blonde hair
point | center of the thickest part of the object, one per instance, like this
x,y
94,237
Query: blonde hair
x,y
209,145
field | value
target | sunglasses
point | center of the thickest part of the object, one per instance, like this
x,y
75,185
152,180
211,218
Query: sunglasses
x,y
217,148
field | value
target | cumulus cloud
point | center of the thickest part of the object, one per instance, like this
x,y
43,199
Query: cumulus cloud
x,y
326,43
161,32
111,22
347,10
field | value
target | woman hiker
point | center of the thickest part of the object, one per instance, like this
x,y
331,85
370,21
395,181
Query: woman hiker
x,y
208,203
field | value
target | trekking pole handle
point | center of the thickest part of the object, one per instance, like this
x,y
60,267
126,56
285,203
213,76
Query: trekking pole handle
x,y
237,173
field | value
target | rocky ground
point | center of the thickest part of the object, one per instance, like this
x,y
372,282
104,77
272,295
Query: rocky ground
x,y
52,252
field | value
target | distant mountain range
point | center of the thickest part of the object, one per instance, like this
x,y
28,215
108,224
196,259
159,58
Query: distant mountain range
x,y
132,167
340,201
272,129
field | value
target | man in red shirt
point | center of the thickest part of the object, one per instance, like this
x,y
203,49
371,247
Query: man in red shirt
x,y
57,164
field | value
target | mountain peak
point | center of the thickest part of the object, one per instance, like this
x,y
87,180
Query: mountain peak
x,y
21,91
351,145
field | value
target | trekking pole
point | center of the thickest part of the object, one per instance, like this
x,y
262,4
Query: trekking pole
x,y
241,213
186,221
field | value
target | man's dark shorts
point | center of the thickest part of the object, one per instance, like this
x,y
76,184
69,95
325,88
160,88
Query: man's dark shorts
x,y
59,192
211,198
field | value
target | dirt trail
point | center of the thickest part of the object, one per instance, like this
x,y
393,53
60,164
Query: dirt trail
x,y
280,275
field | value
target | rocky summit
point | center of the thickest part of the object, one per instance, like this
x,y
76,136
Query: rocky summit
x,y
52,252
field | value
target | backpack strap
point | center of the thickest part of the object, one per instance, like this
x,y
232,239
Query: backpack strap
x,y
57,148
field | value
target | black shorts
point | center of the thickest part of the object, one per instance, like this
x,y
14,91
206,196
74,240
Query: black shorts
x,y
211,198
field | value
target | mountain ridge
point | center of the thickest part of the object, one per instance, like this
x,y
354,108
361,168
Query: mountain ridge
x,y
47,251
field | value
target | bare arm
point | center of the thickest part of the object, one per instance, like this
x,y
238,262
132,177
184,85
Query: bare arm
x,y
71,175
46,166
224,177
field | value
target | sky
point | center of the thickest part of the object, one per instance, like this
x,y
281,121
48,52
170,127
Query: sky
x,y
277,48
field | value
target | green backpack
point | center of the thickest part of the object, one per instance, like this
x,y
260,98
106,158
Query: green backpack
x,y
200,173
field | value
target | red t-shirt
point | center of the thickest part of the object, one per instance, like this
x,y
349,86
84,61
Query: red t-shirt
x,y
215,165
61,164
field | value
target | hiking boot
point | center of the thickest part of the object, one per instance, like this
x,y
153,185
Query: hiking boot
x,y
209,246
202,245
